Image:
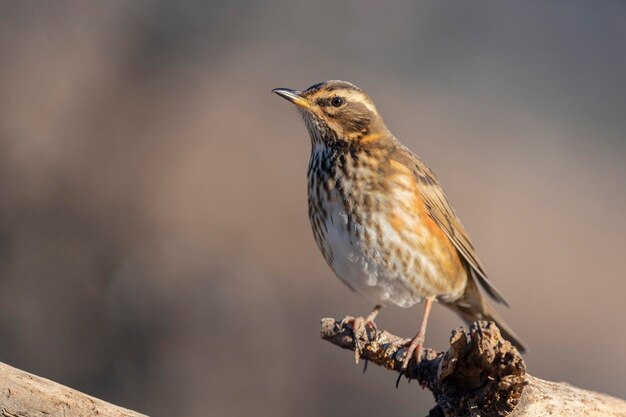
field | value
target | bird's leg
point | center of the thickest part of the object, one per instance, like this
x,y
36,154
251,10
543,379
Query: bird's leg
x,y
359,329
418,341
369,320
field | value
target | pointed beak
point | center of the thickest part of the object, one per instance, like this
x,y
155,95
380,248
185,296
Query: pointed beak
x,y
294,96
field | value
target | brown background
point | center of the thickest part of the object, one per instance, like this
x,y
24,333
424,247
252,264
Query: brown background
x,y
154,244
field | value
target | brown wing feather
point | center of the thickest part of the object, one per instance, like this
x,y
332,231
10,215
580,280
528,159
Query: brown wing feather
x,y
442,213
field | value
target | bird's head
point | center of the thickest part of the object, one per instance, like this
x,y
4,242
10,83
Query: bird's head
x,y
337,111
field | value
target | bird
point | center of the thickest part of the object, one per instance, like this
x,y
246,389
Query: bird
x,y
381,219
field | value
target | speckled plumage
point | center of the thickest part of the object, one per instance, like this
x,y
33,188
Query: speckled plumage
x,y
361,206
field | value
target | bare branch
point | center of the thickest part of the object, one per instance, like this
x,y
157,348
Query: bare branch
x,y
27,395
480,375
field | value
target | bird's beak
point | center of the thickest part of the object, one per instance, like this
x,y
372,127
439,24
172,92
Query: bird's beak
x,y
293,96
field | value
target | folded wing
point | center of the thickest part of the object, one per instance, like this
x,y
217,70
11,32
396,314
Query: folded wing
x,y
442,213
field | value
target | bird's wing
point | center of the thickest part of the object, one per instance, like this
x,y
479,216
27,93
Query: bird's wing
x,y
442,213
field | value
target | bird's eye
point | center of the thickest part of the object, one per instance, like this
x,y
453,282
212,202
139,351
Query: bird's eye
x,y
337,102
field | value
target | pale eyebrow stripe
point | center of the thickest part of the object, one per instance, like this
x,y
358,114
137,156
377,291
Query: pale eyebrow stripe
x,y
347,94
361,99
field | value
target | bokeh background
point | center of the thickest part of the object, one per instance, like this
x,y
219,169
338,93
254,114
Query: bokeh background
x,y
155,249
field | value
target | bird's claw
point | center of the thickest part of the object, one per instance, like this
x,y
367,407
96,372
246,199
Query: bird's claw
x,y
360,335
414,348
361,330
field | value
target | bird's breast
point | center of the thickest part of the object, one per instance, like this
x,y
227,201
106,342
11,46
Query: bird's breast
x,y
370,225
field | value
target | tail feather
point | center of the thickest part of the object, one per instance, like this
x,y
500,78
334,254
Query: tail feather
x,y
473,307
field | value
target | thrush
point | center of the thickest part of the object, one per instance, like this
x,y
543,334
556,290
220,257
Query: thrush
x,y
380,217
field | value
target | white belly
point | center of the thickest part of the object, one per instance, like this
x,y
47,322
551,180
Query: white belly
x,y
364,265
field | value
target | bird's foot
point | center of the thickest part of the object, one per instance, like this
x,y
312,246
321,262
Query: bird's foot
x,y
414,347
364,330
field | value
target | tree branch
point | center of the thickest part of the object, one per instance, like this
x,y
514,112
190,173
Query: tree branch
x,y
480,375
27,395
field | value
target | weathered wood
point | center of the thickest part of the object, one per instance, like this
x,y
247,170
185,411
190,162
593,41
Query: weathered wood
x,y
480,375
27,395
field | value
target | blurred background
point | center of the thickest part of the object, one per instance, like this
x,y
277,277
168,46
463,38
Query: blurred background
x,y
155,249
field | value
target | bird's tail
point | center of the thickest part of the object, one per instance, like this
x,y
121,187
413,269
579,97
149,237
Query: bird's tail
x,y
473,307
